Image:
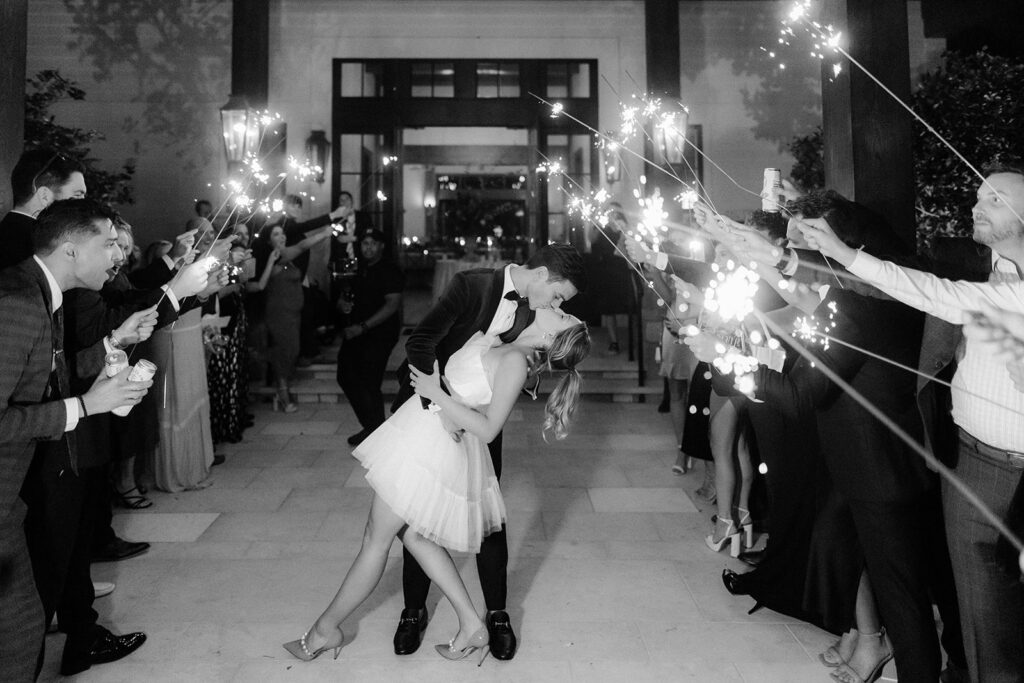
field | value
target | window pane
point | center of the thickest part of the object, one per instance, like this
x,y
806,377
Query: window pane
x,y
508,80
557,81
349,153
579,73
444,79
422,79
351,79
487,79
373,79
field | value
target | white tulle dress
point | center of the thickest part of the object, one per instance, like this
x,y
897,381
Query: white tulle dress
x,y
445,491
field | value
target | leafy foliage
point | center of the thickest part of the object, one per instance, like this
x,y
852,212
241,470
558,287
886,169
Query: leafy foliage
x,y
179,55
47,88
974,101
809,152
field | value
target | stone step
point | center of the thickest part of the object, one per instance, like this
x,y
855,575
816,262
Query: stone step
x,y
616,390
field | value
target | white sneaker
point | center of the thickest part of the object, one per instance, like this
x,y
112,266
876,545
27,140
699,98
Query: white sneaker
x,y
101,588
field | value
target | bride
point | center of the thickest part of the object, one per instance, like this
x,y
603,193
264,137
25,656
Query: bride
x,y
432,491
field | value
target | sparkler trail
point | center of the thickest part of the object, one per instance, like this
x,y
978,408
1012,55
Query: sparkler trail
x,y
831,40
928,457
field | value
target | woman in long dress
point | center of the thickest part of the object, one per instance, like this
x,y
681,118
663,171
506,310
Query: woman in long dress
x,y
432,491
281,282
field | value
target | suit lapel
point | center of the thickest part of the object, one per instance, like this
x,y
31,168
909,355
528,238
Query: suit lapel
x,y
492,299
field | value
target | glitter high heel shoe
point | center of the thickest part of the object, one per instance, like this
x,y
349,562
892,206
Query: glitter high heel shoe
x,y
478,641
300,650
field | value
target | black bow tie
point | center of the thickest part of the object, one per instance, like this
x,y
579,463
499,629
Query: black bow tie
x,y
523,318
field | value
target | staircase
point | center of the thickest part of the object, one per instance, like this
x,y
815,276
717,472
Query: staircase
x,y
605,377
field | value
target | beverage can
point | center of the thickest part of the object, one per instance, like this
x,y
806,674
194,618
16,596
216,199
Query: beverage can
x,y
771,190
140,372
114,362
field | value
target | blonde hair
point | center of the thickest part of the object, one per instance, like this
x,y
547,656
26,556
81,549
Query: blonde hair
x,y
567,350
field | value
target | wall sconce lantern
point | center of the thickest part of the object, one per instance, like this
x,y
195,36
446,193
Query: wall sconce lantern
x,y
241,126
318,151
670,136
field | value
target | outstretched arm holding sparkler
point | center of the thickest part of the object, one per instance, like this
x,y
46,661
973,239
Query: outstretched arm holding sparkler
x,y
946,299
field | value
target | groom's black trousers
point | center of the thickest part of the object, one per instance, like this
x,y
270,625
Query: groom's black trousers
x,y
491,561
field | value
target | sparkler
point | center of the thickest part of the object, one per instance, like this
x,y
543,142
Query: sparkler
x,y
827,38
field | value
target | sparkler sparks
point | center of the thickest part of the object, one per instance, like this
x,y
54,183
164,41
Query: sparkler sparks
x,y
810,329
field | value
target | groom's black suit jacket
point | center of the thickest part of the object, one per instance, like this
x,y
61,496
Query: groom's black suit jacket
x,y
465,308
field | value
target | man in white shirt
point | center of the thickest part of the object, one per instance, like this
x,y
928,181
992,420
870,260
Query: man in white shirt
x,y
987,408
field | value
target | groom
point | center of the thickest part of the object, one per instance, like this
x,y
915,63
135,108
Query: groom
x,y
497,302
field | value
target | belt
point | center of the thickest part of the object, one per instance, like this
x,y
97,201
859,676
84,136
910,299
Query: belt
x,y
1014,459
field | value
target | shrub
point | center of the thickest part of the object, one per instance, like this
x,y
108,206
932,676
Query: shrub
x,y
47,88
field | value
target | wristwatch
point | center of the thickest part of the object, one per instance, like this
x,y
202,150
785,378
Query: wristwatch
x,y
114,342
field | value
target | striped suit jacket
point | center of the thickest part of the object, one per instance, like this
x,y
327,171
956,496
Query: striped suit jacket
x,y
26,357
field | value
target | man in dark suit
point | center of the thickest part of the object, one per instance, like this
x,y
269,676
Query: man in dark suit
x,y
500,303
986,406
40,178
76,245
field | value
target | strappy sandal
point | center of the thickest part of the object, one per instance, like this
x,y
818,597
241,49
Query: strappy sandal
x,y
132,501
846,673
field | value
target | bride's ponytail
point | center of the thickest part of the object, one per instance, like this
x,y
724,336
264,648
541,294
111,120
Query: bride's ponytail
x,y
567,350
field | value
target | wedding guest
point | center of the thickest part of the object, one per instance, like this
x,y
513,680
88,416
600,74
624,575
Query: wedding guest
x,y
314,307
373,321
677,361
75,244
985,406
227,365
615,293
281,282
184,456
40,178
203,209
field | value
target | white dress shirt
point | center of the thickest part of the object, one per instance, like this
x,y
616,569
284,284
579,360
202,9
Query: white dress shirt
x,y
985,402
71,406
505,316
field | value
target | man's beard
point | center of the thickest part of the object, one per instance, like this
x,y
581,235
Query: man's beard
x,y
995,234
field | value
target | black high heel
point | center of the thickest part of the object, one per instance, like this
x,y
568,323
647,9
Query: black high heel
x,y
734,582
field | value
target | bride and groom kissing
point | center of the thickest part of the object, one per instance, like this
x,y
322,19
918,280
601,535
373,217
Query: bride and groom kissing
x,y
434,465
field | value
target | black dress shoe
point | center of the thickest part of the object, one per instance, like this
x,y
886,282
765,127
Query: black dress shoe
x,y
218,459
734,582
410,631
107,648
752,558
503,639
359,437
954,674
119,549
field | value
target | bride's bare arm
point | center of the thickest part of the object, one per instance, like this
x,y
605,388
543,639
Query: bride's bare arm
x,y
508,381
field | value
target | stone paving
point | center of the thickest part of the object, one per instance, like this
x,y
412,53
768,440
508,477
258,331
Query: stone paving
x,y
609,576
